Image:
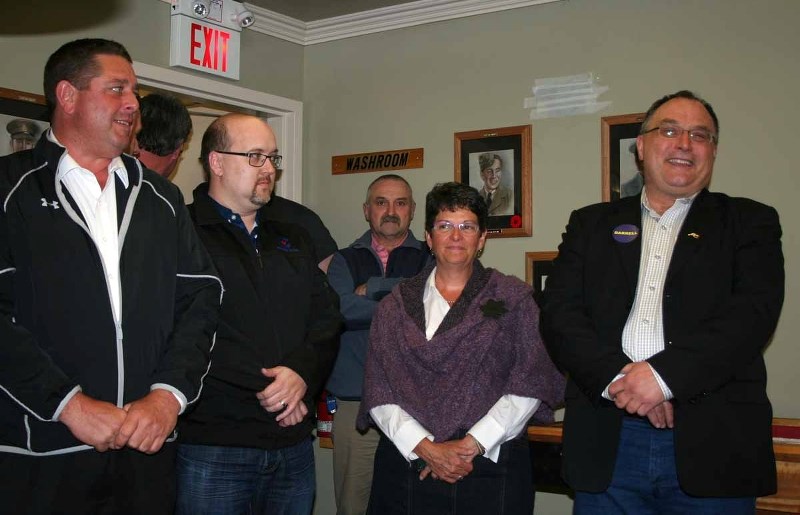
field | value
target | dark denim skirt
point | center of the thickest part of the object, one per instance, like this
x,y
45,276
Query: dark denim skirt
x,y
502,488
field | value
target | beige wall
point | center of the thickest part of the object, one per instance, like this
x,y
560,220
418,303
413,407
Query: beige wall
x,y
415,87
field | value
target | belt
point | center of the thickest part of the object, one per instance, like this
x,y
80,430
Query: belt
x,y
635,416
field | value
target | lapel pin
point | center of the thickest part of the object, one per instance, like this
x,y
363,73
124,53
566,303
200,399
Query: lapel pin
x,y
694,235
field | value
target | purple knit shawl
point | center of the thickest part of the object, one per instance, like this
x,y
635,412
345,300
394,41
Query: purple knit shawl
x,y
450,382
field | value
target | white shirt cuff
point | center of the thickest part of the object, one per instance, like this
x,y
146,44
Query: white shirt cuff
x,y
665,391
606,395
504,421
401,428
489,433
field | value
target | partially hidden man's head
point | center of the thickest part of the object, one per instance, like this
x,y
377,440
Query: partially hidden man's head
x,y
165,127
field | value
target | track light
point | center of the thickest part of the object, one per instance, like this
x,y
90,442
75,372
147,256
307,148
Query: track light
x,y
200,8
226,13
244,18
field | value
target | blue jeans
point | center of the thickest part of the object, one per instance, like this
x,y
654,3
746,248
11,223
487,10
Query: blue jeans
x,y
645,480
242,480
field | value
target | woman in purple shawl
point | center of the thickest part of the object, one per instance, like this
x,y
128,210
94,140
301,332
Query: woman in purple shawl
x,y
455,370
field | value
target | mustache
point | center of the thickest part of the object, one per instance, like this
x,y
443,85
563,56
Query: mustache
x,y
390,218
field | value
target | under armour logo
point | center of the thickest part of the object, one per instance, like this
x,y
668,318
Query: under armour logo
x,y
53,204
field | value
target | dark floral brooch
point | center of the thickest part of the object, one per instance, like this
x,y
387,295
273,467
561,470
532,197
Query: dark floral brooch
x,y
494,308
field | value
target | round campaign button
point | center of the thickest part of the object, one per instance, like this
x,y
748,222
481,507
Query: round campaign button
x,y
625,233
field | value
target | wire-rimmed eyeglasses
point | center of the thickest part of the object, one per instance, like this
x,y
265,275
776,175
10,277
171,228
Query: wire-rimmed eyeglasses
x,y
445,227
676,131
256,159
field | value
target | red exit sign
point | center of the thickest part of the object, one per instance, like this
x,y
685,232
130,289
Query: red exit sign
x,y
204,46
212,44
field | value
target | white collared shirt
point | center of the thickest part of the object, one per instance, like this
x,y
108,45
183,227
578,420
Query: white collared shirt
x,y
504,421
643,335
99,210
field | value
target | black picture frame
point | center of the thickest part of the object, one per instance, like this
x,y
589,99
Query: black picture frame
x,y
538,266
621,169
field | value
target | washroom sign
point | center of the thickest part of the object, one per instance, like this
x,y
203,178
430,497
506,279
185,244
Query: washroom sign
x,y
385,160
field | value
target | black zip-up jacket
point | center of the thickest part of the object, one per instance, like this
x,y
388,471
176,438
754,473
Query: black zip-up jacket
x,y
57,330
278,310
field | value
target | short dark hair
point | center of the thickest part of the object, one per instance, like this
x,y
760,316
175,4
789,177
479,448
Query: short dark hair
x,y
487,159
389,177
75,62
452,196
684,93
165,124
215,138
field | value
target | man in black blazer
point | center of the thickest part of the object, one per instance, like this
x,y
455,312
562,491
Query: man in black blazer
x,y
659,308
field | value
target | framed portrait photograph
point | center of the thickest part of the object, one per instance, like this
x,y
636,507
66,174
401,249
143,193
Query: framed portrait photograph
x,y
23,119
621,167
537,267
497,162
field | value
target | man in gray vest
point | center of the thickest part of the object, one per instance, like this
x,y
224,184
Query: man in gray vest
x,y
362,274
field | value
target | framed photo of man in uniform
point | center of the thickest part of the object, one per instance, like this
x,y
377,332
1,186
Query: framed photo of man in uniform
x,y
497,162
23,119
621,169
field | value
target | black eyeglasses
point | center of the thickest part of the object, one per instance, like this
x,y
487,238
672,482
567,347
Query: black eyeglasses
x,y
256,159
675,131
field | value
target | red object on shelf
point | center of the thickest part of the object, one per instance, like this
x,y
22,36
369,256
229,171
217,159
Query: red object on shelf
x,y
792,432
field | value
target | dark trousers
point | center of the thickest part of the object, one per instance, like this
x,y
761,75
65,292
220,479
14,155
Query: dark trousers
x,y
502,488
89,482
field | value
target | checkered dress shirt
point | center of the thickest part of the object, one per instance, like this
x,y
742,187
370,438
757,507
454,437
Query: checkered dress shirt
x,y
643,335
